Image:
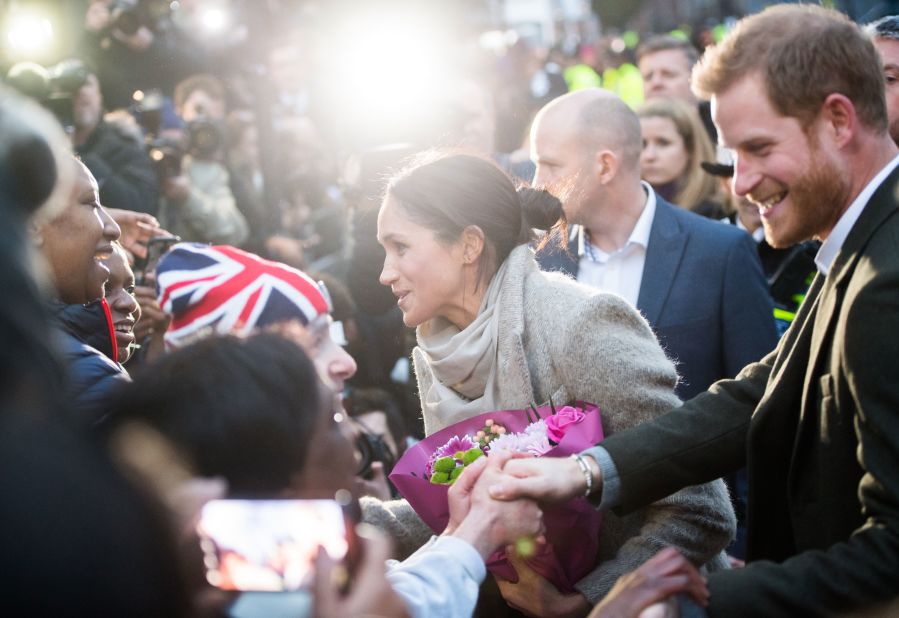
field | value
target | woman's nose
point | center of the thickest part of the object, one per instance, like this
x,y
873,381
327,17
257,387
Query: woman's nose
x,y
111,229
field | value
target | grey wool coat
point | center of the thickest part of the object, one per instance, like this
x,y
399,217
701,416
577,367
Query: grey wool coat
x,y
559,340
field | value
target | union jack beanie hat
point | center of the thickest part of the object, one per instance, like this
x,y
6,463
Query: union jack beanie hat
x,y
222,290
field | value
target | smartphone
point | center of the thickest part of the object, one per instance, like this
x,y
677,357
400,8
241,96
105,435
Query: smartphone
x,y
269,545
156,248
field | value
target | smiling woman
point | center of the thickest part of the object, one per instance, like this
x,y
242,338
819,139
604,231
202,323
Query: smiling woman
x,y
77,240
123,307
75,243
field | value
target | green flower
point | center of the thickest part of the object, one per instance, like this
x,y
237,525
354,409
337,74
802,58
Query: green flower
x,y
444,464
440,478
471,455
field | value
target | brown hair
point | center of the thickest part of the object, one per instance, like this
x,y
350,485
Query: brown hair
x,y
664,42
447,192
209,84
804,53
696,186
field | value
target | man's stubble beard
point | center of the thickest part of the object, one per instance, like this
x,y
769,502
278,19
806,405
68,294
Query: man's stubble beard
x,y
817,197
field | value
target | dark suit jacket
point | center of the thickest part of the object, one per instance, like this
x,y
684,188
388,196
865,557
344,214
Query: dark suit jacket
x,y
817,424
703,293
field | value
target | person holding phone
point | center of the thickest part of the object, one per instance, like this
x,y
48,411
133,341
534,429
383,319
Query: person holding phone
x,y
255,412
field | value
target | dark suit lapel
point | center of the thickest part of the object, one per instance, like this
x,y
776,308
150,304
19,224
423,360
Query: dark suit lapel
x,y
882,205
667,241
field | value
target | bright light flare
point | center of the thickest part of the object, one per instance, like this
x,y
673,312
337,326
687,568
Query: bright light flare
x,y
29,35
214,20
388,57
388,67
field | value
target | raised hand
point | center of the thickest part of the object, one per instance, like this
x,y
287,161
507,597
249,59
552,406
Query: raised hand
x,y
137,229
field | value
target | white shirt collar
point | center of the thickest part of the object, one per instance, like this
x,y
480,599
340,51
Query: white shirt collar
x,y
642,229
831,247
758,235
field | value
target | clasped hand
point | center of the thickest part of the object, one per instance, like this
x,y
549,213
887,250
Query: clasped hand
x,y
485,523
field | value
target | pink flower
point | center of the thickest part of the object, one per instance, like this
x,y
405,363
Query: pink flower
x,y
454,445
557,424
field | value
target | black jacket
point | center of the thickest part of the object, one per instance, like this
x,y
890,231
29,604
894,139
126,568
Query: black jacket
x,y
122,169
87,343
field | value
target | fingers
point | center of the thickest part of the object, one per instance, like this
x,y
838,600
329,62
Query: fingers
x,y
324,594
669,572
469,477
376,550
510,488
542,479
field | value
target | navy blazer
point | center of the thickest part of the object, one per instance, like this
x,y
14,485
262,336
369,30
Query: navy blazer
x,y
703,292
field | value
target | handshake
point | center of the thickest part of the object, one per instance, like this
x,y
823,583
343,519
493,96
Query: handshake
x,y
484,522
494,503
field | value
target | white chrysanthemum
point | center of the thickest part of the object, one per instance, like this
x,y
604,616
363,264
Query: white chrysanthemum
x,y
533,441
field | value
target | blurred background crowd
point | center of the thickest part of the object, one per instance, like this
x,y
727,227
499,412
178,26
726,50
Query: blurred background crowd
x,y
272,125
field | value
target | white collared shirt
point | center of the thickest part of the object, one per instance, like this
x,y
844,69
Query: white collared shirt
x,y
621,271
758,235
831,247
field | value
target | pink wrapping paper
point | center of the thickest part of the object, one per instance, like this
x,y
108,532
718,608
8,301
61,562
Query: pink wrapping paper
x,y
572,529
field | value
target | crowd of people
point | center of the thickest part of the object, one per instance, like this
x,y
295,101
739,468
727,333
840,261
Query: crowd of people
x,y
209,298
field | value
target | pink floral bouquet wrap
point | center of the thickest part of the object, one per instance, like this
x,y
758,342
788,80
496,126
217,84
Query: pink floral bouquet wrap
x,y
572,528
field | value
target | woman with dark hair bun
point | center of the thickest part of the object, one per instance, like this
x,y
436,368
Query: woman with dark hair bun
x,y
494,333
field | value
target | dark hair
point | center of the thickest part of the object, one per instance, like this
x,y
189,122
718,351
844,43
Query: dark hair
x,y
241,408
664,42
448,192
884,28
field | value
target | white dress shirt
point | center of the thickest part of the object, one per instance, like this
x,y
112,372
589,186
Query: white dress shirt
x,y
440,580
621,271
830,247
758,235
611,486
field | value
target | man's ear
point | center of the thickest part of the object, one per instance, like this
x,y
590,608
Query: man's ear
x,y
607,165
840,118
472,244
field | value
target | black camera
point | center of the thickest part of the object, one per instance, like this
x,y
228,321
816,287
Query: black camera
x,y
202,140
166,155
205,138
54,88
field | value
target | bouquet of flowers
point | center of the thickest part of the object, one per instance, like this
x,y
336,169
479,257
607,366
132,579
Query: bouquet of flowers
x,y
423,475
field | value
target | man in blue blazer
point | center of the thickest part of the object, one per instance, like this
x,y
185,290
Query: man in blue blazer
x,y
698,282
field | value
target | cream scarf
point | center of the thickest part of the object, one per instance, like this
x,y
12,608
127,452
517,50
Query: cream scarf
x,y
463,362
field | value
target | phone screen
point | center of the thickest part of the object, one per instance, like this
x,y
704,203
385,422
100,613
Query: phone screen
x,y
145,269
269,545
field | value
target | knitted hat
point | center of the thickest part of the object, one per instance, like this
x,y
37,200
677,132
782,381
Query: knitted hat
x,y
222,290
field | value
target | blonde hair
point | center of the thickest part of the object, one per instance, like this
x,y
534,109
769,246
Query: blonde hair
x,y
696,186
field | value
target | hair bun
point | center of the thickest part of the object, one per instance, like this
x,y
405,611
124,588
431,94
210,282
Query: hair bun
x,y
540,209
